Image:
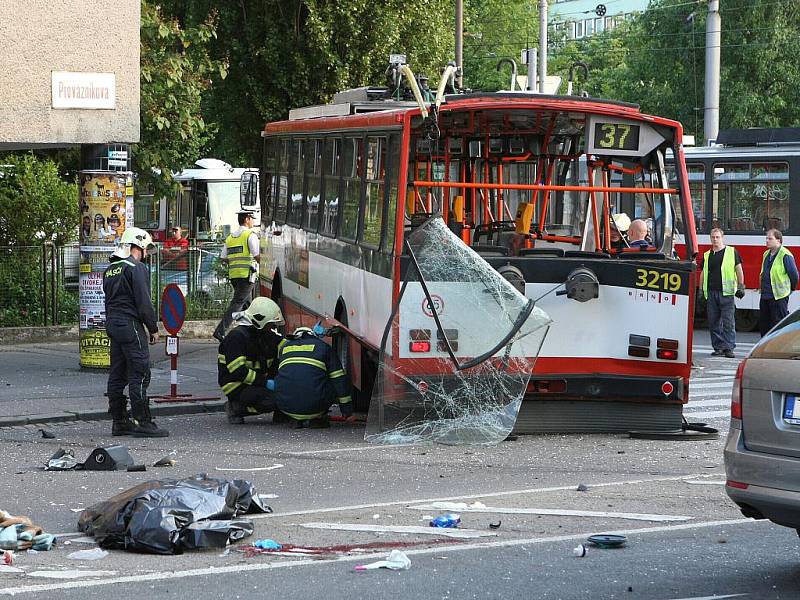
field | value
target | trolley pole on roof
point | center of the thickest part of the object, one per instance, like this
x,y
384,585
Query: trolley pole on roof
x,y
713,42
459,43
542,44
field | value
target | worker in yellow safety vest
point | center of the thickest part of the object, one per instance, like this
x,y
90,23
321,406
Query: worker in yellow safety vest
x,y
778,278
723,278
241,253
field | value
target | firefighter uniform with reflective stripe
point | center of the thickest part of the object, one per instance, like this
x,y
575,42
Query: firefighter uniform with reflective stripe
x,y
310,379
245,359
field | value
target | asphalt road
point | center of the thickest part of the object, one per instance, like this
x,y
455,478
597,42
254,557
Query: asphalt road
x,y
685,539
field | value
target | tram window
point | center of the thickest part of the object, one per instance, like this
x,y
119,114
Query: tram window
x,y
392,175
282,183
331,169
313,191
295,214
751,197
697,189
351,192
375,190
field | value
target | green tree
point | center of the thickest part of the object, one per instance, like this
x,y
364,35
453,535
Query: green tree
x,y
176,71
36,204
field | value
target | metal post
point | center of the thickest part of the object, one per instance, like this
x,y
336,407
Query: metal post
x,y
460,43
44,285
173,375
713,42
542,44
531,69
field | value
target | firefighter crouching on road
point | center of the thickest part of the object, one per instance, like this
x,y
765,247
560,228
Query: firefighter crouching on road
x,y
310,379
246,357
126,284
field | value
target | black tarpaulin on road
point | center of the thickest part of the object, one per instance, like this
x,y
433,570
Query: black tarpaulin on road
x,y
169,516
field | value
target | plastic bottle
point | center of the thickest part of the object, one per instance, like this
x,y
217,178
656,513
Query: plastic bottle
x,y
448,521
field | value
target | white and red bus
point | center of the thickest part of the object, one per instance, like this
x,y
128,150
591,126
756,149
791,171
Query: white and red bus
x,y
747,183
342,185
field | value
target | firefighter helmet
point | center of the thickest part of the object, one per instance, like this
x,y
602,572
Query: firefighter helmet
x,y
136,237
263,311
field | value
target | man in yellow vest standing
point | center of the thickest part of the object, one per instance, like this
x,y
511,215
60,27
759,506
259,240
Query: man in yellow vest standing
x,y
778,278
241,253
723,278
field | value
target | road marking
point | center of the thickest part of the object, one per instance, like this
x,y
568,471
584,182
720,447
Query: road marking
x,y
240,568
712,402
559,488
273,467
351,449
403,529
709,414
714,597
700,379
454,507
703,385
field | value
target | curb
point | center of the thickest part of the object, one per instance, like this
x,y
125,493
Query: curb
x,y
70,333
184,408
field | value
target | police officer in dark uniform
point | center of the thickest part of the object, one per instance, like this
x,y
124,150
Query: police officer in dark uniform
x,y
130,323
310,379
246,359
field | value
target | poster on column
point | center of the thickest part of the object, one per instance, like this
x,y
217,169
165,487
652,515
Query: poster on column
x,y
95,347
106,205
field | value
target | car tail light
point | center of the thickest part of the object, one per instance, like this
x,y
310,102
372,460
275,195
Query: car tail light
x,y
736,393
419,346
667,354
737,484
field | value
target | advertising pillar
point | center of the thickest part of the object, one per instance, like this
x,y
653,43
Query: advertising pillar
x,y
106,205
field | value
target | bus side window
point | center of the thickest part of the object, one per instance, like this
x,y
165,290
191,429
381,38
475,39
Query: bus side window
x,y
351,191
313,190
393,178
296,183
375,190
282,184
269,180
330,167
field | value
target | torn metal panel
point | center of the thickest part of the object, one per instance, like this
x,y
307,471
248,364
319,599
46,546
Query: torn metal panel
x,y
458,350
415,529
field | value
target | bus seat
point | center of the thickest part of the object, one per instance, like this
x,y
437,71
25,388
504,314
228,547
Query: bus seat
x,y
486,249
544,252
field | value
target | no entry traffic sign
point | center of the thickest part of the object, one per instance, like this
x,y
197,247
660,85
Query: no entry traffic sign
x,y
173,308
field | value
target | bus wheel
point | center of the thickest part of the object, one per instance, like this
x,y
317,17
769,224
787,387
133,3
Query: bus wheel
x,y
341,346
746,320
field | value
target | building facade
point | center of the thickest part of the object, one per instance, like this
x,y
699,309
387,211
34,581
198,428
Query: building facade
x,y
69,72
583,18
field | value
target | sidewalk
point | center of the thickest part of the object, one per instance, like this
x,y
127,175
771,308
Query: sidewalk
x,y
43,382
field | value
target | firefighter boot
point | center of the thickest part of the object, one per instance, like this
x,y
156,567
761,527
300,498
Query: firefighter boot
x,y
121,422
234,418
144,424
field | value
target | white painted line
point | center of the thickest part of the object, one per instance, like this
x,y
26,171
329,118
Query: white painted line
x,y
710,414
559,488
459,507
241,568
273,467
416,529
698,482
723,372
713,402
711,384
695,380
714,597
350,449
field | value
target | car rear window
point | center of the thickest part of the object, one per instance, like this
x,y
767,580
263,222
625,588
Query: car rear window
x,y
783,342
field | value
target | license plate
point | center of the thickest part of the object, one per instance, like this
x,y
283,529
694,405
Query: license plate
x,y
791,409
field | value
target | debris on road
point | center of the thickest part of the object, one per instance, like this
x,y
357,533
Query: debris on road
x,y
339,550
267,545
582,487
579,551
93,554
412,529
62,460
495,525
167,461
396,561
19,533
71,574
169,516
607,540
449,520
47,434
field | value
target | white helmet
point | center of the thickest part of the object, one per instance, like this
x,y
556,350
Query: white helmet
x,y
263,311
304,331
132,236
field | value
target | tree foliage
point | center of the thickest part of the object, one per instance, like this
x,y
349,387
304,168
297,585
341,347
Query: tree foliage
x,y
284,54
36,204
176,71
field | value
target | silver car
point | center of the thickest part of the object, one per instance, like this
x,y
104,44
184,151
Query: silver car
x,y
762,453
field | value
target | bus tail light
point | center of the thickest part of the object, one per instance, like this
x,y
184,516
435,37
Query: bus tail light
x,y
667,344
419,346
667,354
736,393
667,349
450,335
639,346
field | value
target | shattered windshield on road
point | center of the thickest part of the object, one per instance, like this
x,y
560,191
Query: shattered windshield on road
x,y
458,350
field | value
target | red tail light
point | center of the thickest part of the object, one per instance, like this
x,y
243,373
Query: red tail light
x,y
737,484
667,354
420,346
736,393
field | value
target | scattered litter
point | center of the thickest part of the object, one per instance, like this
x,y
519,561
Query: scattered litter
x,y
62,460
275,466
8,557
110,458
71,574
607,540
167,461
19,533
417,529
460,506
170,516
47,434
495,525
268,496
426,517
79,540
77,510
10,569
449,520
704,482
439,558
267,545
582,487
93,554
32,551
376,516
396,561
579,551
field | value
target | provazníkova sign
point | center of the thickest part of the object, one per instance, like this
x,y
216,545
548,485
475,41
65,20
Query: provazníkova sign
x,y
84,90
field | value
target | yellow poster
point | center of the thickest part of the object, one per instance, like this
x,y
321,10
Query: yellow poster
x,y
95,349
104,207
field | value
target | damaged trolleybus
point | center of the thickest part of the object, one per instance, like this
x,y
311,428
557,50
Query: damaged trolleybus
x,y
532,183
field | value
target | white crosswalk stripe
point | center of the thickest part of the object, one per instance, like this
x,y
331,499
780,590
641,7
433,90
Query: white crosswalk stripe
x,y
710,389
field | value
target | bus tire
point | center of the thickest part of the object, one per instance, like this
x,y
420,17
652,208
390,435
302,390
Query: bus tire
x,y
341,346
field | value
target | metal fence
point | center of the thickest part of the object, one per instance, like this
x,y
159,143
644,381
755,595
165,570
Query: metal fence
x,y
39,285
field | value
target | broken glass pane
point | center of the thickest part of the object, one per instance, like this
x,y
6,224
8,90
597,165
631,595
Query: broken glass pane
x,y
459,380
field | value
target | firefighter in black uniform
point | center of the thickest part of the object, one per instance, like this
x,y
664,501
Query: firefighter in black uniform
x,y
130,324
247,357
310,379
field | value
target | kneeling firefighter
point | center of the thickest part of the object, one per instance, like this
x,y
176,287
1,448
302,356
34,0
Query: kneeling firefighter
x,y
310,379
246,358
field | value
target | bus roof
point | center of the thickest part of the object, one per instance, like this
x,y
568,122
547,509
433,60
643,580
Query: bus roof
x,y
389,114
209,174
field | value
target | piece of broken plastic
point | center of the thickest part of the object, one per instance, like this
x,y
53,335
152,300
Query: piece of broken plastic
x,y
421,392
62,460
170,516
396,561
93,554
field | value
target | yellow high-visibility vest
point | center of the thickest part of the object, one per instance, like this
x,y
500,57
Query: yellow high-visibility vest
x,y
239,258
778,277
728,272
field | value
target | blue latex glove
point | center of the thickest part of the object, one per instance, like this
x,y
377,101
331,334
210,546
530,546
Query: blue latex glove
x,y
267,544
270,385
318,329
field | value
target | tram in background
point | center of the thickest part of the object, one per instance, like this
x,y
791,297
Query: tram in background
x,y
747,183
343,184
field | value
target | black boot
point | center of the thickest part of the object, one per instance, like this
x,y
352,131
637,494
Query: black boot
x,y
149,429
234,418
118,409
122,427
